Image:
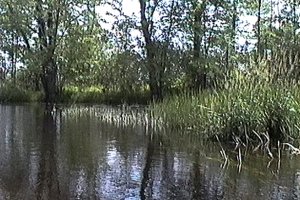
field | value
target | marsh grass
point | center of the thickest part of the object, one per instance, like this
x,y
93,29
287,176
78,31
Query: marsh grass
x,y
11,93
250,108
119,116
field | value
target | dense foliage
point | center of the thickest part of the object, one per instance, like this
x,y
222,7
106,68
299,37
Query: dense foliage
x,y
163,47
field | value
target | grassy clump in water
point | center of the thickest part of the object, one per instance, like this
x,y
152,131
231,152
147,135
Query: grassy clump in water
x,y
248,108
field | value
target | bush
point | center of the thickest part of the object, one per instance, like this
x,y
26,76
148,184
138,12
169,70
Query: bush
x,y
97,95
14,94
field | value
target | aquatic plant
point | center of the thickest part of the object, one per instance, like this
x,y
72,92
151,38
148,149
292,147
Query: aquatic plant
x,y
120,116
249,108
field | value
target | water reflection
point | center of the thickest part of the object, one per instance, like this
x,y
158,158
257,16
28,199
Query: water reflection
x,y
76,156
47,185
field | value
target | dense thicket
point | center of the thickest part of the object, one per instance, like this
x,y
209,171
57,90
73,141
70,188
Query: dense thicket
x,y
166,46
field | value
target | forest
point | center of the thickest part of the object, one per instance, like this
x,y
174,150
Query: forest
x,y
59,46
234,64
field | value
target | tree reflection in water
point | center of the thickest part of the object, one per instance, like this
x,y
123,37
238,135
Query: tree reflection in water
x,y
78,156
146,178
48,185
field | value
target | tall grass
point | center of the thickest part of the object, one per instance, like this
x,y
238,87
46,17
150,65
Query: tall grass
x,y
250,107
11,93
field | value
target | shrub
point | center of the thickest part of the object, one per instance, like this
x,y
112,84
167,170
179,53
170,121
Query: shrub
x,y
97,95
14,94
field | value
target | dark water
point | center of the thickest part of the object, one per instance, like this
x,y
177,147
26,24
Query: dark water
x,y
78,156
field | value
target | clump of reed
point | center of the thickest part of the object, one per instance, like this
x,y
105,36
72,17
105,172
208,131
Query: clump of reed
x,y
119,116
12,93
250,107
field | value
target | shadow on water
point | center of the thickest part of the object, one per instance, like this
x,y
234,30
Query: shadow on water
x,y
197,177
146,171
163,163
48,185
71,155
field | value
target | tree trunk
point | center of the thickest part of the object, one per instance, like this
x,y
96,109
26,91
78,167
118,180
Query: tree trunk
x,y
198,75
48,33
295,23
230,51
49,81
259,47
155,85
154,76
155,82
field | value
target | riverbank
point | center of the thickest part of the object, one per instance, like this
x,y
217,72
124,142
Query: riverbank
x,y
96,95
246,110
11,93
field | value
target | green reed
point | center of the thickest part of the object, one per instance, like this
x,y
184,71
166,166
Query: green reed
x,y
249,107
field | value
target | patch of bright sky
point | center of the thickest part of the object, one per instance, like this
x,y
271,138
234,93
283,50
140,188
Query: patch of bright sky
x,y
132,8
246,24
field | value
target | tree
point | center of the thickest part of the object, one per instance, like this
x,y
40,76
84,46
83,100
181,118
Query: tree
x,y
147,10
43,27
167,44
199,30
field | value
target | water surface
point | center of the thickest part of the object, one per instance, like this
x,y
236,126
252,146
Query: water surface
x,y
91,153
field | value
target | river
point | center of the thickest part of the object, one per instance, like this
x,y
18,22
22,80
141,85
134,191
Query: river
x,y
84,153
